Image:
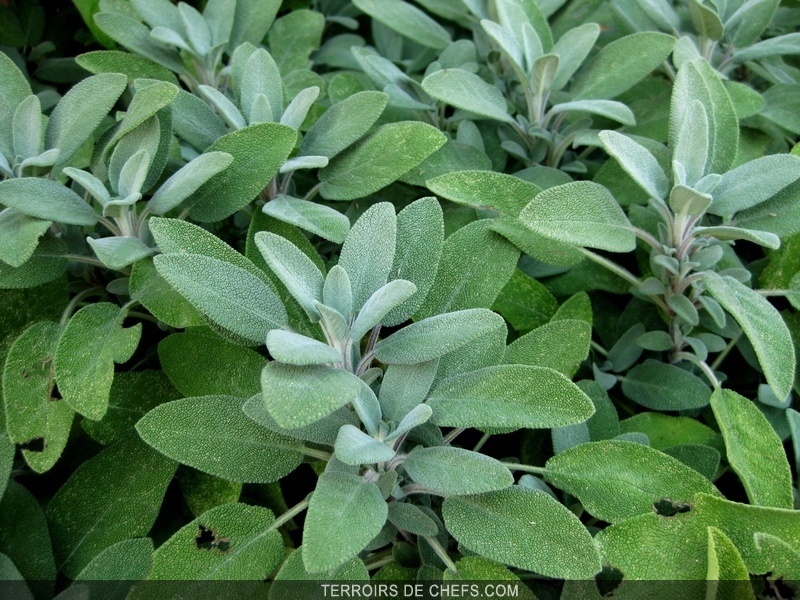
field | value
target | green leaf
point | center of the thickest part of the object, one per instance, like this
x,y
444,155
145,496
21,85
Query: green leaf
x,y
343,123
135,36
294,37
344,514
119,252
485,189
525,303
407,20
776,46
754,182
604,108
637,162
726,569
705,20
297,396
19,236
762,238
524,529
81,110
754,450
251,21
195,122
230,370
379,159
295,349
411,518
681,541
354,447
561,345
448,471
697,81
128,560
783,560
33,416
572,49
258,152
688,201
159,298
91,343
14,89
100,505
703,459
665,431
509,396
762,325
293,572
295,270
25,540
46,199
368,251
145,103
616,480
662,386
384,300
469,92
260,76
318,219
132,65
622,64
203,492
435,336
7,451
228,295
212,434
581,213
229,542
187,180
404,387
323,431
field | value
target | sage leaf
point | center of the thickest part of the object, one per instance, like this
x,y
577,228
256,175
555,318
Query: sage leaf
x,y
321,220
119,251
762,238
99,506
380,304
754,182
451,471
485,189
781,558
753,449
258,152
762,325
637,162
662,386
159,298
404,387
32,414
19,236
15,88
435,336
354,447
375,161
581,213
46,199
509,396
295,349
610,109
725,566
46,264
231,541
93,340
344,514
525,529
407,20
186,181
617,480
561,345
411,518
297,396
469,92
197,432
132,65
228,295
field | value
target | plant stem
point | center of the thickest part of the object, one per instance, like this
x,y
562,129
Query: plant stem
x,y
453,434
484,438
613,267
289,514
525,468
725,351
441,553
89,260
314,453
380,559
707,371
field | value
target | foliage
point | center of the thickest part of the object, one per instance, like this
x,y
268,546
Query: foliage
x,y
452,289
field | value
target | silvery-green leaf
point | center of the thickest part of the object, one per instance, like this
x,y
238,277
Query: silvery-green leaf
x,y
683,308
505,40
754,182
485,189
15,88
637,162
380,304
658,341
295,270
295,349
261,76
196,28
665,387
90,183
27,127
533,49
407,20
572,49
581,213
169,37
19,236
684,199
195,122
184,182
469,92
404,387
321,220
146,102
435,336
456,472
252,20
411,518
605,108
226,109
368,408
133,174
705,20
337,291
692,143
120,251
228,295
304,162
298,108
354,447
219,14
763,326
260,110
46,199
296,396
343,123
779,45
509,396
415,417
762,238
135,36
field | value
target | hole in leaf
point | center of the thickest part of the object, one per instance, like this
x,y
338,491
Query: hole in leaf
x,y
55,394
207,539
668,508
776,588
37,444
608,580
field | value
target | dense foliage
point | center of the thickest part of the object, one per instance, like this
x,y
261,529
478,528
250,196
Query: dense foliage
x,y
431,290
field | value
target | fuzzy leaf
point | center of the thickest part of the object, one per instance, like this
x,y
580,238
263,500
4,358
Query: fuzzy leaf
x,y
525,529
186,181
665,387
379,159
485,189
197,432
762,325
132,65
610,109
128,560
46,199
469,92
451,471
754,182
19,236
295,349
561,345
159,298
407,20
344,514
119,251
754,450
637,162
509,396
354,447
380,304
318,219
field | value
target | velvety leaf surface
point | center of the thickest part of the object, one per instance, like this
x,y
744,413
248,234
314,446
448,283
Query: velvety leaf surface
x,y
662,386
128,560
456,471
